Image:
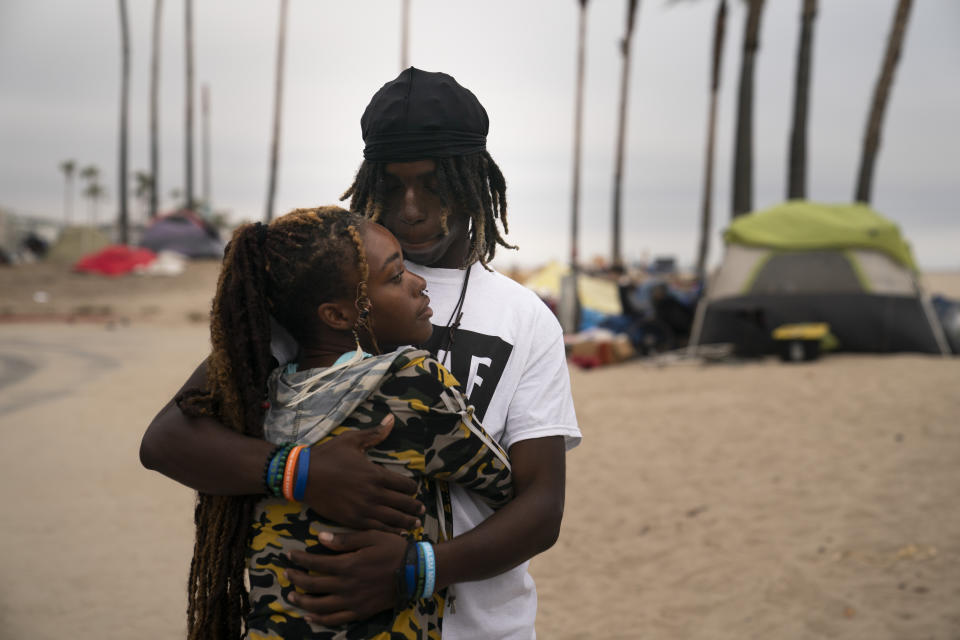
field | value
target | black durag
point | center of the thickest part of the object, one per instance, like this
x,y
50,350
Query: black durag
x,y
420,115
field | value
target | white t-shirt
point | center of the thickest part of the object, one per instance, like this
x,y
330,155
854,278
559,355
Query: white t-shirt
x,y
508,356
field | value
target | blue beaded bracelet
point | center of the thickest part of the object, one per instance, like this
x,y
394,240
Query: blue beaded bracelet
x,y
303,469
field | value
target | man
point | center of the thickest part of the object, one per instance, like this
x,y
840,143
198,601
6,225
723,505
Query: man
x,y
428,178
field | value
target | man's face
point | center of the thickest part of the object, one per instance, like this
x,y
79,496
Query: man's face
x,y
414,211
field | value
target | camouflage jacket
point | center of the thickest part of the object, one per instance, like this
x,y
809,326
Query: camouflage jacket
x,y
435,440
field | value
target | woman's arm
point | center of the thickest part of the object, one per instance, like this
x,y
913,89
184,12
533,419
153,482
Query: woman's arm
x,y
343,484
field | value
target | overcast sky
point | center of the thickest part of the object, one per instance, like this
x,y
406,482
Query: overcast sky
x,y
59,99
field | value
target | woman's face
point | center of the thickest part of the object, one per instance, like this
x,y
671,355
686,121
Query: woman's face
x,y
400,311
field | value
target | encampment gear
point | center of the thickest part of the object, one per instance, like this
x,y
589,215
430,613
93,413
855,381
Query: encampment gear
x,y
115,260
800,262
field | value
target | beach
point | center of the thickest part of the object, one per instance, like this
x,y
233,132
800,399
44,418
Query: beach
x,y
732,500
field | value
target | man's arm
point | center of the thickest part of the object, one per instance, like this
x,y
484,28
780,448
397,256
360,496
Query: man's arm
x,y
361,579
343,484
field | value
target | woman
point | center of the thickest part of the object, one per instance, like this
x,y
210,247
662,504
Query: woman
x,y
337,283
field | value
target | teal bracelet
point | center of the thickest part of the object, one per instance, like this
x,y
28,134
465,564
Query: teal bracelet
x,y
268,468
277,466
430,575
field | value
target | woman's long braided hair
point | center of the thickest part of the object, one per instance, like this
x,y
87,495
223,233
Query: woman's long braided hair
x,y
286,269
472,184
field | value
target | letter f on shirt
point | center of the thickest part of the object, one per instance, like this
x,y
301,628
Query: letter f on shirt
x,y
473,379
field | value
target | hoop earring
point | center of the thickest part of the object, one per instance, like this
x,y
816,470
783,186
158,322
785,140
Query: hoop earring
x,y
363,323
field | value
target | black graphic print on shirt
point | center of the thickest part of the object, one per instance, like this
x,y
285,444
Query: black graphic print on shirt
x,y
477,362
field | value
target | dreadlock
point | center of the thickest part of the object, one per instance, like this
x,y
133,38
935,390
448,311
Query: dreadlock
x,y
301,260
469,183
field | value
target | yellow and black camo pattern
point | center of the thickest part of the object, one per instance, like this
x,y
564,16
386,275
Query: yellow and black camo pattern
x,y
431,442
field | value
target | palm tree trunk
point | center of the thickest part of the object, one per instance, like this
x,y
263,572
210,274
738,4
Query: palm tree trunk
x,y
797,173
881,94
188,160
277,109
68,167
706,218
616,258
404,34
68,200
155,108
123,221
577,129
743,156
205,149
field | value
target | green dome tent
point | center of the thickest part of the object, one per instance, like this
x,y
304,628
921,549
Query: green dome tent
x,y
798,262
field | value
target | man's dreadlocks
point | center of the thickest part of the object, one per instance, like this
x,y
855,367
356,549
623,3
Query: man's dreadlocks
x,y
301,260
470,184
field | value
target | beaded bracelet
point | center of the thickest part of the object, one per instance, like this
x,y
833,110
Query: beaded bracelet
x,y
275,469
289,472
271,458
303,469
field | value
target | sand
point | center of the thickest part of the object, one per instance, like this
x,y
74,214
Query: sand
x,y
752,500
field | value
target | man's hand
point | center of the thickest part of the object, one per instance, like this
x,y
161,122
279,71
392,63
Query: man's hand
x,y
358,582
346,487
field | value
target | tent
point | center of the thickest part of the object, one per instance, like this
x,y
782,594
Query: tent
x,y
76,242
184,232
596,294
800,262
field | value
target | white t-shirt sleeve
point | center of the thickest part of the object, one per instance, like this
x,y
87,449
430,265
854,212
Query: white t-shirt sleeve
x,y
542,404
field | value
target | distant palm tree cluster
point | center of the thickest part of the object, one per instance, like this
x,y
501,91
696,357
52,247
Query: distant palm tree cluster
x,y
742,188
146,183
93,190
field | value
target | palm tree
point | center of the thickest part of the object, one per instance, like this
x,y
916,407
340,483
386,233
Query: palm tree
x,y
569,297
144,190
123,219
577,128
277,102
155,109
616,259
871,137
90,173
205,147
404,34
188,162
797,173
94,191
743,155
68,167
707,211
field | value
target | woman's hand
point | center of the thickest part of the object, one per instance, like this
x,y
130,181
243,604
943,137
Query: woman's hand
x,y
344,486
358,582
